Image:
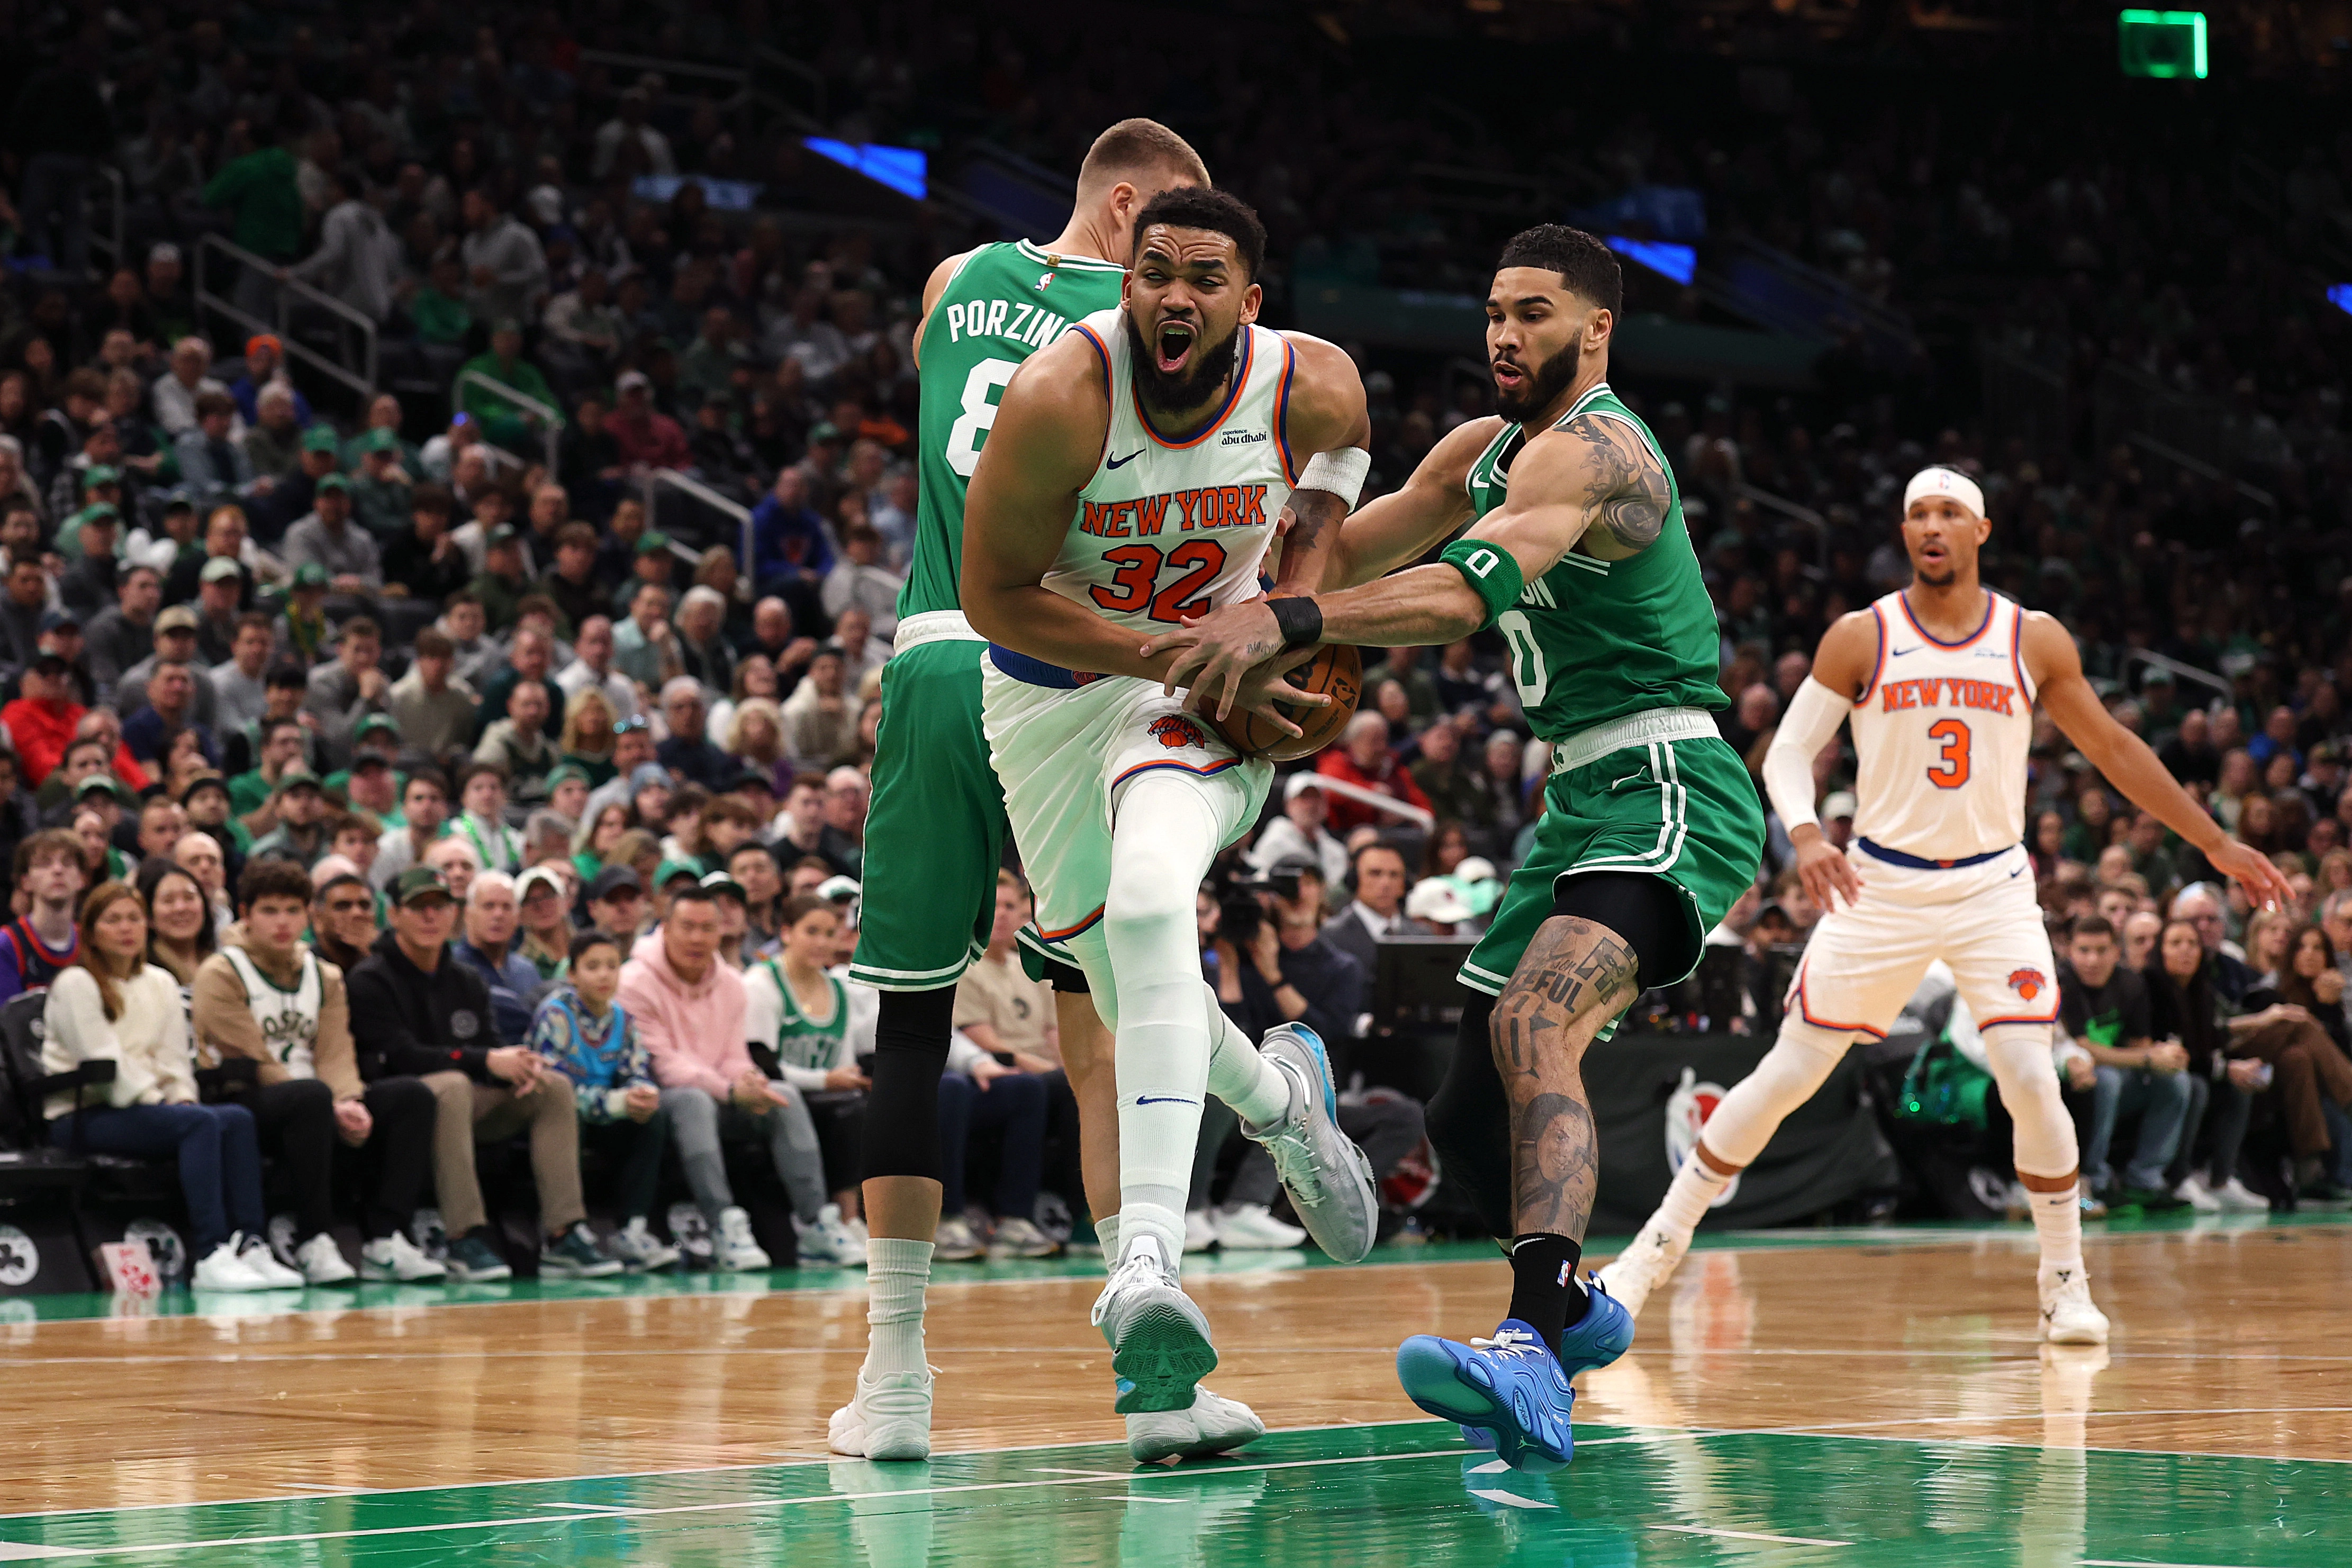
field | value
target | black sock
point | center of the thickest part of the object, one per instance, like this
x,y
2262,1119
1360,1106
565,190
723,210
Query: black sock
x,y
1546,1294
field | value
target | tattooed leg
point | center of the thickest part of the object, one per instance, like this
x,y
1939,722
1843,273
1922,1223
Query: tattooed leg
x,y
1577,975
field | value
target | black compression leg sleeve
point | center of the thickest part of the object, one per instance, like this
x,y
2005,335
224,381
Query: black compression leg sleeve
x,y
902,1109
1067,979
1646,911
1470,1119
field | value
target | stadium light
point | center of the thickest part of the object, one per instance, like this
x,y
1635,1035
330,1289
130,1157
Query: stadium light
x,y
2340,295
904,169
1679,262
2162,44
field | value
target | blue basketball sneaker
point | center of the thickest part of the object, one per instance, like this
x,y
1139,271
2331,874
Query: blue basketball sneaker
x,y
1511,1393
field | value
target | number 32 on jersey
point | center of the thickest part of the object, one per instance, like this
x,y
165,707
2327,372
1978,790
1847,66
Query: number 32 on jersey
x,y
1136,584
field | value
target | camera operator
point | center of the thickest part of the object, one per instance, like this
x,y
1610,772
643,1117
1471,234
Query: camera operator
x,y
1289,973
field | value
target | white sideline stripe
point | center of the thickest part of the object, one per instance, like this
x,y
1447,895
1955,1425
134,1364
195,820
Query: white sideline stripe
x,y
1749,1535
2135,1563
1510,1499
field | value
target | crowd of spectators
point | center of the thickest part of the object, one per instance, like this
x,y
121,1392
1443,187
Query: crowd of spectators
x,y
459,625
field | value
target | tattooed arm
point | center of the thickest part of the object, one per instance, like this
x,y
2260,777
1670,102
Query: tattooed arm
x,y
1326,413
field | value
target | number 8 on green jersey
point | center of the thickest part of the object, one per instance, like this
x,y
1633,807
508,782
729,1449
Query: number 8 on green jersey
x,y
935,833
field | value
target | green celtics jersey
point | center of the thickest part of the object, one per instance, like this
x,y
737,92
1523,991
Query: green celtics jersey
x,y
1005,303
801,1042
1592,641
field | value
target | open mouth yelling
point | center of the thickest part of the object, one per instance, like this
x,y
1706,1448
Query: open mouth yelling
x,y
1173,345
1508,376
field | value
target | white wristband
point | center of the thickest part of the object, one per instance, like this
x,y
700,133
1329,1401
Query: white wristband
x,y
1342,473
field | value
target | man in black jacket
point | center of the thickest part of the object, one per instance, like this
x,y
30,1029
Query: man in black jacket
x,y
1294,974
415,1011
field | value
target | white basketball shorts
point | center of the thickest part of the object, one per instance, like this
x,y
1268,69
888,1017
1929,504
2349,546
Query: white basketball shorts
x,y
1865,962
1064,756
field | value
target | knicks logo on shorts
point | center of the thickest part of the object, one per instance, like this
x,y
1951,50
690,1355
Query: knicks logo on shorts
x,y
1175,732
2027,983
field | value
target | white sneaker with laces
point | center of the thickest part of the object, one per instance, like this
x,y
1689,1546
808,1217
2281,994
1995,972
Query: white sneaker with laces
x,y
2236,1197
954,1241
640,1248
1215,1424
1199,1230
1018,1238
323,1262
889,1418
735,1250
253,1251
2193,1192
1159,1340
1328,1177
828,1241
222,1269
1252,1227
1647,1262
395,1257
2068,1316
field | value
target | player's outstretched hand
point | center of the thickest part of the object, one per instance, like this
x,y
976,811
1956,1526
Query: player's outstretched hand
x,y
2252,870
1214,651
1826,872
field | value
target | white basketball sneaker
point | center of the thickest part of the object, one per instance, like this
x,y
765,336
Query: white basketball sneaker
x,y
734,1250
2068,1316
395,1257
222,1269
1159,1341
253,1251
1645,1264
1215,1424
828,1240
323,1263
1328,1177
890,1418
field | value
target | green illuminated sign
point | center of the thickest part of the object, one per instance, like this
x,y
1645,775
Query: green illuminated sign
x,y
2162,44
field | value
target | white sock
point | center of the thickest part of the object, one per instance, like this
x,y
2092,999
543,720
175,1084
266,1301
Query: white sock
x,y
1162,839
1255,1088
2058,1223
1107,1232
897,1269
1694,1186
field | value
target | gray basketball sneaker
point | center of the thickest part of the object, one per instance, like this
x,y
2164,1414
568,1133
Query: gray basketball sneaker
x,y
1328,1177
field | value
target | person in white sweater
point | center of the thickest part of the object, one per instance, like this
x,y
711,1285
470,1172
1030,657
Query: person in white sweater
x,y
112,1005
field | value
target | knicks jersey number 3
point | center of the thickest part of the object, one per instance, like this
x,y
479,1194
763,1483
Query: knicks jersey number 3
x,y
1943,733
1171,526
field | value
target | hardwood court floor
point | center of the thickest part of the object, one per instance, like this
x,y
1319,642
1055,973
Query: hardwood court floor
x,y
1852,1397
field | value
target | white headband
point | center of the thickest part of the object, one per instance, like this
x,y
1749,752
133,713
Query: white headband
x,y
1944,482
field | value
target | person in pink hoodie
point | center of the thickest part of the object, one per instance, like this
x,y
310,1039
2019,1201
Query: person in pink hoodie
x,y
689,1010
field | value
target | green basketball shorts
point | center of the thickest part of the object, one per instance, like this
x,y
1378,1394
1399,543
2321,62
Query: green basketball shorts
x,y
1680,807
935,830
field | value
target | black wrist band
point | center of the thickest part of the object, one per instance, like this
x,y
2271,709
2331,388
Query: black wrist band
x,y
1301,621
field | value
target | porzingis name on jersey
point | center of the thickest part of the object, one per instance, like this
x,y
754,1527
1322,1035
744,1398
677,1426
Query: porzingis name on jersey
x,y
1212,507
1021,321
1946,691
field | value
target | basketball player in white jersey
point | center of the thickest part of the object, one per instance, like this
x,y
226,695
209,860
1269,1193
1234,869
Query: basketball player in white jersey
x,y
1939,681
1135,474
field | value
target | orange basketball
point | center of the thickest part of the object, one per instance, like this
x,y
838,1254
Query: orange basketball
x,y
1335,671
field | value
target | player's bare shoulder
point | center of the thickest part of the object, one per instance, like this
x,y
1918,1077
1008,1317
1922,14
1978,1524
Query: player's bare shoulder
x,y
933,286
2047,648
1848,653
1448,464
1602,466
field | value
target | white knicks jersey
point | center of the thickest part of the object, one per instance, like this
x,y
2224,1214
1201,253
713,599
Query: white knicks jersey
x,y
1943,732
1171,528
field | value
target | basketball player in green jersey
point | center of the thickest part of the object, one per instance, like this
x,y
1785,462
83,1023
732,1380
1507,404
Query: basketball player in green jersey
x,y
1577,553
935,835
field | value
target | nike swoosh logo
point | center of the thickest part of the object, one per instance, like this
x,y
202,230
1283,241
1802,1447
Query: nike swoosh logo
x,y
1163,1100
1122,462
1899,653
2017,873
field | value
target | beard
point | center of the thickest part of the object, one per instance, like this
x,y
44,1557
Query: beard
x,y
1189,387
1542,384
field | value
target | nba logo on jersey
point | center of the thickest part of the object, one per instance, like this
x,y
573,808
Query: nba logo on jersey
x,y
1175,732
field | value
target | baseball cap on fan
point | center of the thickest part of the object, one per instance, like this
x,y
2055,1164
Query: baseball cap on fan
x,y
1942,481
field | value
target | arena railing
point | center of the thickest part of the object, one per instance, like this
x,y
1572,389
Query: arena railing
x,y
1424,821
286,290
738,103
2179,671
1802,515
551,418
656,480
